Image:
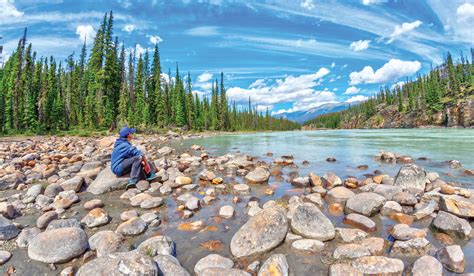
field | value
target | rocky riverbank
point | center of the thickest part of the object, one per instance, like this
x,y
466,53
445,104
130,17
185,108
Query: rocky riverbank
x,y
64,212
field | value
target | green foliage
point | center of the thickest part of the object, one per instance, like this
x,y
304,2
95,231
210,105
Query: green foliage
x,y
105,89
429,93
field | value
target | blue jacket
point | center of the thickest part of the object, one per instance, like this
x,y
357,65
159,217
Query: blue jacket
x,y
122,150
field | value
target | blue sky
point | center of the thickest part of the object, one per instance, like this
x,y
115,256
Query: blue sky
x,y
286,55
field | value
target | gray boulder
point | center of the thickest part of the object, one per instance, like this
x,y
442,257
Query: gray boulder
x,y
411,178
452,225
378,265
64,223
74,184
427,265
452,258
121,263
367,204
105,242
170,266
7,229
106,181
275,265
258,176
58,245
262,232
308,221
158,245
212,260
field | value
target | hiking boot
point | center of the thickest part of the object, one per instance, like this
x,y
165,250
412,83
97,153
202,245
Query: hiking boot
x,y
152,176
132,183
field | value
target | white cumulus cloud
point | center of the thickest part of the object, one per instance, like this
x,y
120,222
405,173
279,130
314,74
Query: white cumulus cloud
x,y
299,91
258,83
359,45
465,22
154,39
352,90
390,71
7,9
128,28
206,76
85,32
357,98
307,4
403,28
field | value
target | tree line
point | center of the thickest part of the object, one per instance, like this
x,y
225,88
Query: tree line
x,y
111,87
427,94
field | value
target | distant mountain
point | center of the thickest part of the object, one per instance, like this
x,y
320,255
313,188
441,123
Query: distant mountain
x,y
303,116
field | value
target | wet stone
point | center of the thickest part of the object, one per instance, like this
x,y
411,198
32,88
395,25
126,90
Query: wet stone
x,y
64,223
390,207
26,235
361,222
96,217
308,245
309,222
226,211
260,233
405,198
4,256
45,219
105,242
374,244
411,177
136,200
458,205
158,245
350,251
378,265
425,209
133,263
404,232
92,204
331,180
342,270
241,188
349,235
143,185
367,204
152,202
427,265
58,245
8,230
257,176
413,247
452,258
169,265
276,264
126,215
452,225
339,195
133,226
212,260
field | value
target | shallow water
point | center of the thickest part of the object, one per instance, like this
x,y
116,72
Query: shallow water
x,y
350,148
354,147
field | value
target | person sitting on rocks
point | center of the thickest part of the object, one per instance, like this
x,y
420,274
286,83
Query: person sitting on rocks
x,y
126,158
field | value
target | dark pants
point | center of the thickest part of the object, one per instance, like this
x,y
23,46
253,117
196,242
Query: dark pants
x,y
133,165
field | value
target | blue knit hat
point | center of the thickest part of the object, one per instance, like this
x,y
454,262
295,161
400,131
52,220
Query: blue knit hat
x,y
125,131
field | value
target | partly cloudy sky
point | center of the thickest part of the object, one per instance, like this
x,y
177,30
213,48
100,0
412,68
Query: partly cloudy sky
x,y
287,56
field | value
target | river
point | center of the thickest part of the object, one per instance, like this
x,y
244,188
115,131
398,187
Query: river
x,y
354,147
